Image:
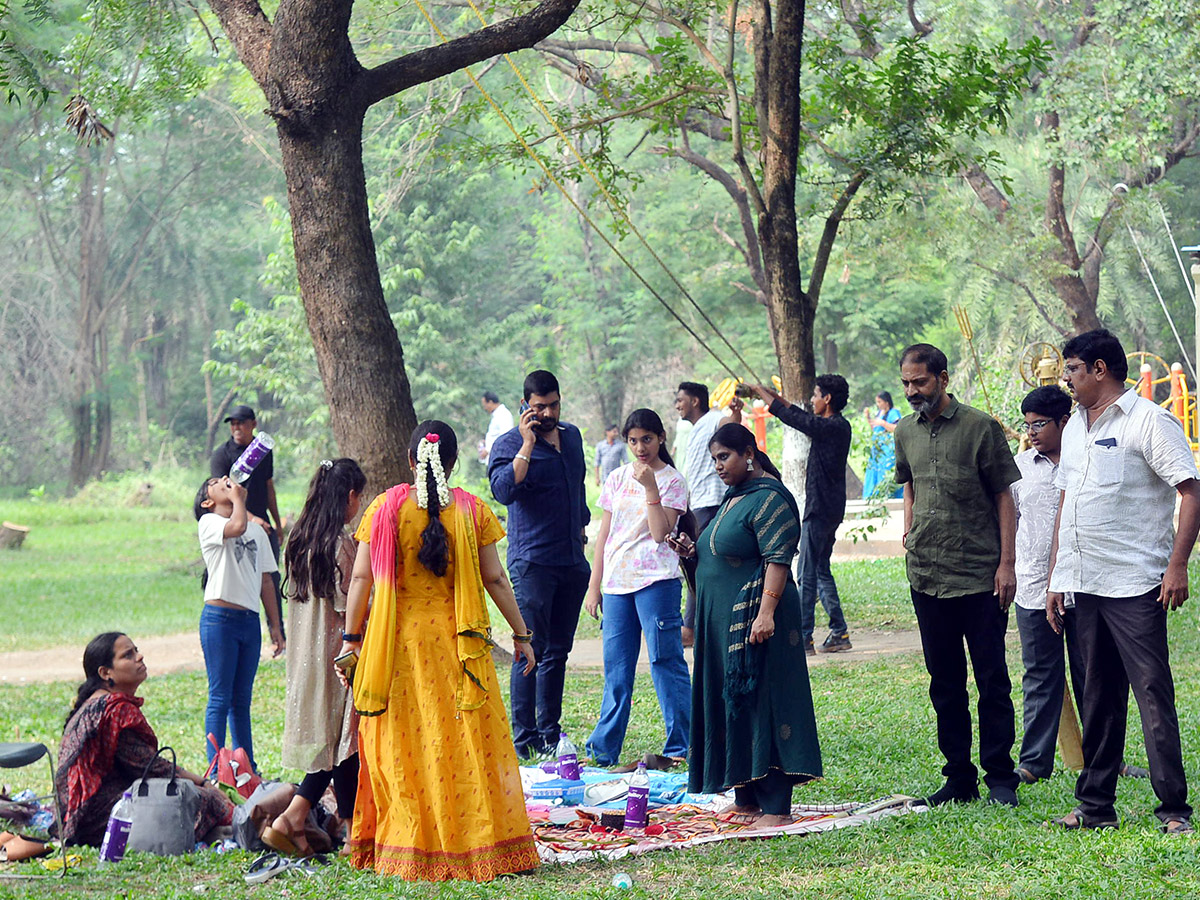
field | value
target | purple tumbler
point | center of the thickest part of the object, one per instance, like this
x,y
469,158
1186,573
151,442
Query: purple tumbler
x,y
262,444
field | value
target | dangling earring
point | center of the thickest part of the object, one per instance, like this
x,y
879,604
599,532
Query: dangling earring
x,y
750,464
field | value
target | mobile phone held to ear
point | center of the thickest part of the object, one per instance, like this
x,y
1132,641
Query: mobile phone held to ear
x,y
346,662
524,408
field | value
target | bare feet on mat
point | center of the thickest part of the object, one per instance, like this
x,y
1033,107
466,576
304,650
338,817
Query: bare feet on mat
x,y
774,821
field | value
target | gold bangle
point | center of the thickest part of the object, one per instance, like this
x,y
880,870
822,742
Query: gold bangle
x,y
523,638
770,593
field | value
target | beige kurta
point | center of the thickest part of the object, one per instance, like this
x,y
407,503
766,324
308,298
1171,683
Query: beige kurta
x,y
320,726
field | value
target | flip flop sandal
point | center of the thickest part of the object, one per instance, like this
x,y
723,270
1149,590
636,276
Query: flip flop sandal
x,y
1080,824
281,843
1181,826
267,867
313,865
20,848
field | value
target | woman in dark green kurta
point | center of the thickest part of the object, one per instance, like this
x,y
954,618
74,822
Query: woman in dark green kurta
x,y
753,727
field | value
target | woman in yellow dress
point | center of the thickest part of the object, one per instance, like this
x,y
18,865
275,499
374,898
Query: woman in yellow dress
x,y
439,791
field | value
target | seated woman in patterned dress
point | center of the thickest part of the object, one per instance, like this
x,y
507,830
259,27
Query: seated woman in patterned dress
x,y
107,742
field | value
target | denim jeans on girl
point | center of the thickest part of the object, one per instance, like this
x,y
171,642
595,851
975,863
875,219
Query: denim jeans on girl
x,y
232,641
654,612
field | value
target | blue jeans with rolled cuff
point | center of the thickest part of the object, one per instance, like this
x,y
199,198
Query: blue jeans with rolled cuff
x,y
652,611
232,643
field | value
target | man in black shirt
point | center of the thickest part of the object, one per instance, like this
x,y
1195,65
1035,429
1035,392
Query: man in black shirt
x,y
824,501
260,486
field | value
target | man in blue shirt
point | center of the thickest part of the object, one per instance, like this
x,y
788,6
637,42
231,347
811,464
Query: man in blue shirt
x,y
537,470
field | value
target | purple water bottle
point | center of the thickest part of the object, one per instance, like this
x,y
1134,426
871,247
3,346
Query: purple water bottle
x,y
568,758
638,798
262,444
116,834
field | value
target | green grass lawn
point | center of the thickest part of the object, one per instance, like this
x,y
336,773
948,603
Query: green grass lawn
x,y
97,563
874,719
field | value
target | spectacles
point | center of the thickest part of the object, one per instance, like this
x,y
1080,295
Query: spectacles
x,y
1035,426
1072,368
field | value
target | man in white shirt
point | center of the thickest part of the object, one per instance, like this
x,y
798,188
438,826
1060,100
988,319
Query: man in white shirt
x,y
1123,461
705,488
501,422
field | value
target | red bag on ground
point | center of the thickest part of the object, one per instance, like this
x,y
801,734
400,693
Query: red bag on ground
x,y
232,769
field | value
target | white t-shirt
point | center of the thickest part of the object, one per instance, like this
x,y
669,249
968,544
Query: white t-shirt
x,y
704,484
632,558
501,421
235,565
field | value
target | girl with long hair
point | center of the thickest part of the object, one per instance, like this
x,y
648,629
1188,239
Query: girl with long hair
x,y
635,582
439,791
320,727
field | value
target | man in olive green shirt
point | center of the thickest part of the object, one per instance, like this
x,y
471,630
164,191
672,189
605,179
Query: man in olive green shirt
x,y
960,542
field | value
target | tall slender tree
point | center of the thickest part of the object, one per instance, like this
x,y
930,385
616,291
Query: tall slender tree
x,y
318,93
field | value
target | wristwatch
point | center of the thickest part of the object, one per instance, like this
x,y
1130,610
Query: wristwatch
x,y
353,638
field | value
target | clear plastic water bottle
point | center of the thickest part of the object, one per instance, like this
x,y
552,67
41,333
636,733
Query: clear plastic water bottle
x,y
262,444
638,798
568,758
116,835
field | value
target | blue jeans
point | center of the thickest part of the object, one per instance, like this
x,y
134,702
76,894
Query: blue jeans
x,y
817,537
652,611
549,598
232,642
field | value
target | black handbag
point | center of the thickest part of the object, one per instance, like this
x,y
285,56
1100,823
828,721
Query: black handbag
x,y
164,812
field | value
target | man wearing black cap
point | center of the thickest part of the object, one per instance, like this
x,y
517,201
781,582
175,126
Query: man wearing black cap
x,y
260,486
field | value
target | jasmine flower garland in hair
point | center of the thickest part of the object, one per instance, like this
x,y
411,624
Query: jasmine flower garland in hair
x,y
428,457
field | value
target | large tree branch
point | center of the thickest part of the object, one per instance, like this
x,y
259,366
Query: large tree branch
x,y
433,62
1037,304
987,192
1188,135
250,32
855,15
921,28
578,44
829,233
752,251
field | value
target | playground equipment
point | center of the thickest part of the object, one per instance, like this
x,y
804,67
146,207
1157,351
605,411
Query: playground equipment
x,y
1180,401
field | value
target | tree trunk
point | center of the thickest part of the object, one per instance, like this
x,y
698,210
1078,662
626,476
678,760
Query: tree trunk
x,y
777,40
91,416
358,351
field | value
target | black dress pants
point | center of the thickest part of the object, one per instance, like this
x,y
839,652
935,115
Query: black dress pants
x,y
1123,641
945,624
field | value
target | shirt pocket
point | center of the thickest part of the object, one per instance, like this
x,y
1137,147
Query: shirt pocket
x,y
1107,465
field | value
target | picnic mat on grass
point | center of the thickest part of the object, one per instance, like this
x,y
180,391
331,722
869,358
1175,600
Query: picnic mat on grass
x,y
687,825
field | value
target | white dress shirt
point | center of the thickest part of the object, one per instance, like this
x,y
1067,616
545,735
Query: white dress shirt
x,y
705,487
502,421
1116,530
1036,499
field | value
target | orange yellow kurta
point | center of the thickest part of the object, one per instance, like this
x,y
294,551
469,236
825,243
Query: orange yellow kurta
x,y
439,792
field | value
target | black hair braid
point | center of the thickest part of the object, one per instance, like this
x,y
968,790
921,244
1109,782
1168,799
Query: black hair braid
x,y
434,552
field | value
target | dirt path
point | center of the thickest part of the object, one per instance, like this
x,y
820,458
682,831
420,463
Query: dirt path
x,y
181,652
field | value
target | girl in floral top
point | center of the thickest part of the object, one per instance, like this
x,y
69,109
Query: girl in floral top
x,y
635,581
